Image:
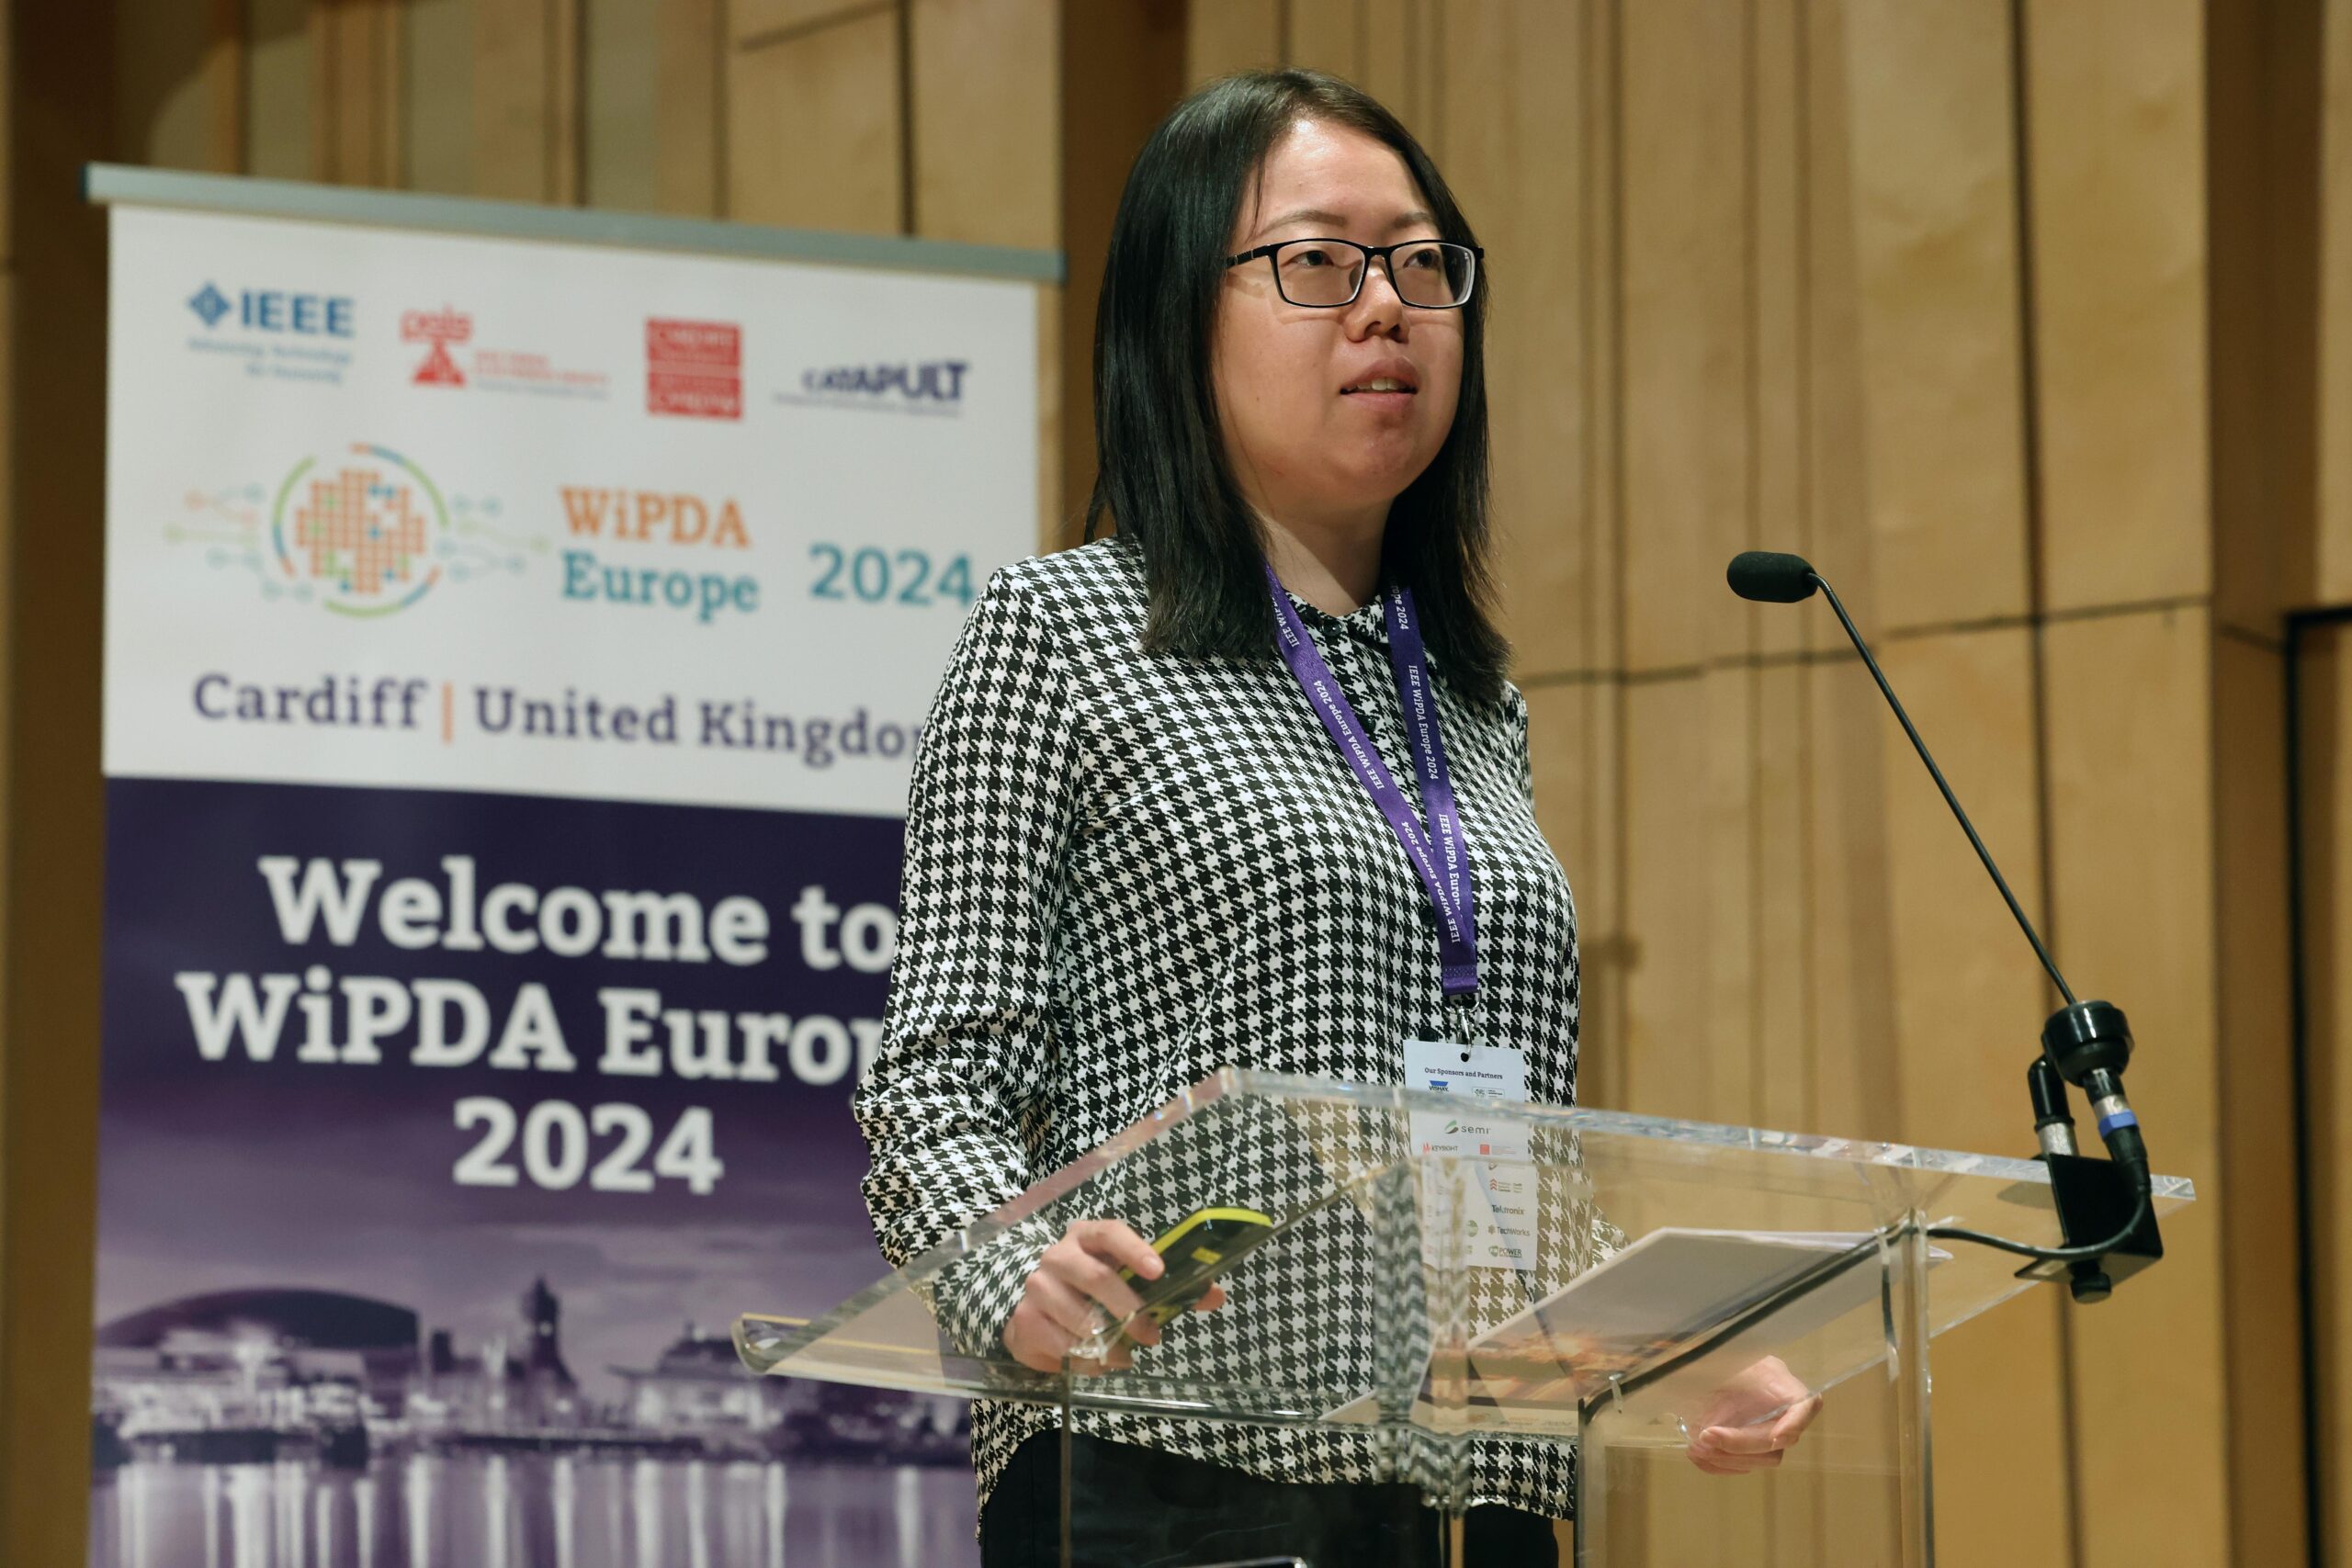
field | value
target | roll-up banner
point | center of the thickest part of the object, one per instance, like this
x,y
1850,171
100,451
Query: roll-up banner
x,y
515,653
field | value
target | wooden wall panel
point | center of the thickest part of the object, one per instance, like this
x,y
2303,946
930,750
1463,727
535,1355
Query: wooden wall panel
x,y
2131,857
1518,159
1327,35
1400,56
1850,938
437,97
2334,391
526,100
755,21
2115,98
56,95
620,52
356,76
1666,1065
162,109
1786,1088
277,87
1685,290
688,107
2256,1199
1969,1002
1221,36
1834,523
2326,763
985,88
1969,997
1934,170
1777,302
813,132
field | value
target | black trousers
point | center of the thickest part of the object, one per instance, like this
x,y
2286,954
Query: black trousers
x,y
1137,1507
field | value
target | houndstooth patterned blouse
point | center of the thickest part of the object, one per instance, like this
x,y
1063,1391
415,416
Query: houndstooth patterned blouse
x,y
1124,870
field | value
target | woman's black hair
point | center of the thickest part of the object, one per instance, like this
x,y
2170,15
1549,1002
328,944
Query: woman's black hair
x,y
1162,476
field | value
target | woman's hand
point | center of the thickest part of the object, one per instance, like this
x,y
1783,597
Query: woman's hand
x,y
1734,1439
1078,1275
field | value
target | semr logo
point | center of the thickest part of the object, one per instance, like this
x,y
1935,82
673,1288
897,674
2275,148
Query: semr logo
x,y
209,305
276,310
439,328
362,534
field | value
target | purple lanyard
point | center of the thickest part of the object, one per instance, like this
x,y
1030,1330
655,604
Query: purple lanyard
x,y
1444,867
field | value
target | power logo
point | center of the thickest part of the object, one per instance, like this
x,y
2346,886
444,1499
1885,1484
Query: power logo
x,y
440,329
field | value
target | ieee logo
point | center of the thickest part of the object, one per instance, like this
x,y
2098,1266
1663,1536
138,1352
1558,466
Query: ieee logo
x,y
276,310
209,305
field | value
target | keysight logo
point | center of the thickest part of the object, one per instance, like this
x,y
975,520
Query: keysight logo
x,y
209,305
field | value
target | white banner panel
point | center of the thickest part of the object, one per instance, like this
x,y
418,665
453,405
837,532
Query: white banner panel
x,y
514,656
414,508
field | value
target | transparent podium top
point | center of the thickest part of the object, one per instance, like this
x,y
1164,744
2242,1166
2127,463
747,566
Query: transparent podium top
x,y
1452,1265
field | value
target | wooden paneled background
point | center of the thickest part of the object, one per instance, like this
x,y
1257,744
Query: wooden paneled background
x,y
2025,320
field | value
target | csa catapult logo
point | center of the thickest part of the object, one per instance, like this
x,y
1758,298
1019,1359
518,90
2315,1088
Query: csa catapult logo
x,y
361,530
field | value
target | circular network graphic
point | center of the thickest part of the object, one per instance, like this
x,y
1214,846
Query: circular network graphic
x,y
361,530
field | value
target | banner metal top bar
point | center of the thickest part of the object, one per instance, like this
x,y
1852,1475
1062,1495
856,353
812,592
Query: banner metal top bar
x,y
108,184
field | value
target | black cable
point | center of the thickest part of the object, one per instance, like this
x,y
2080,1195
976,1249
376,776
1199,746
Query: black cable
x,y
2083,1253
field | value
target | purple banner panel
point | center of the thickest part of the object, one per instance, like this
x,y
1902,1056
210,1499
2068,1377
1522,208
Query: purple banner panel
x,y
443,1136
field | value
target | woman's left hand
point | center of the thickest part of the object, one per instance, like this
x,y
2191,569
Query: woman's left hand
x,y
1734,1438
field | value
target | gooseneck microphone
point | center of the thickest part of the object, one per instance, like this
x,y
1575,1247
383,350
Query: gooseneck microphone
x,y
2088,1045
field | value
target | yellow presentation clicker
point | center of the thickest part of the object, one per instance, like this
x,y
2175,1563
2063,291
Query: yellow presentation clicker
x,y
1196,1249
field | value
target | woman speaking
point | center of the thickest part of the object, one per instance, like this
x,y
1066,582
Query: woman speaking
x,y
1167,814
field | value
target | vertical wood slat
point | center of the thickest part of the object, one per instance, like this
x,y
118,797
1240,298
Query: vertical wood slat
x,y
1685,341
984,84
225,87
2258,1200
815,127
527,99
2325,700
2131,836
58,99
1326,35
355,92
1934,175
1969,999
1599,503
985,90
1221,36
688,107
2333,568
2115,106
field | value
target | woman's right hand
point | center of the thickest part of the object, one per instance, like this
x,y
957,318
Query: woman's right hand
x,y
1078,1274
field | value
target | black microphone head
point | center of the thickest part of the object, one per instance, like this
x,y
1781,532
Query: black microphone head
x,y
1770,575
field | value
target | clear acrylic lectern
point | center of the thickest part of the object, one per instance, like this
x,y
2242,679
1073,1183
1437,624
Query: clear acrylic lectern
x,y
1548,1313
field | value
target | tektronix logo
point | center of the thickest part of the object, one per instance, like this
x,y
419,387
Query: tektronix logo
x,y
694,369
440,329
275,311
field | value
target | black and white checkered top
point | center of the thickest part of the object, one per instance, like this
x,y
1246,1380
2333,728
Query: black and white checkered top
x,y
1124,870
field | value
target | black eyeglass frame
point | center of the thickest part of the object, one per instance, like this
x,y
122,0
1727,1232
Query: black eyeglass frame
x,y
1382,254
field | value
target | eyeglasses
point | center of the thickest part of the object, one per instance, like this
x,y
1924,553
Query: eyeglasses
x,y
1433,275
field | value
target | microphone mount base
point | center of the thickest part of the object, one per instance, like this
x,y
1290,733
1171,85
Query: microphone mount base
x,y
2095,1198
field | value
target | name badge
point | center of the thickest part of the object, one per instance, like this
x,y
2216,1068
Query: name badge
x,y
1497,1221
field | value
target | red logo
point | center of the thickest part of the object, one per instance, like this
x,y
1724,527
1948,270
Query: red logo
x,y
694,368
440,328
